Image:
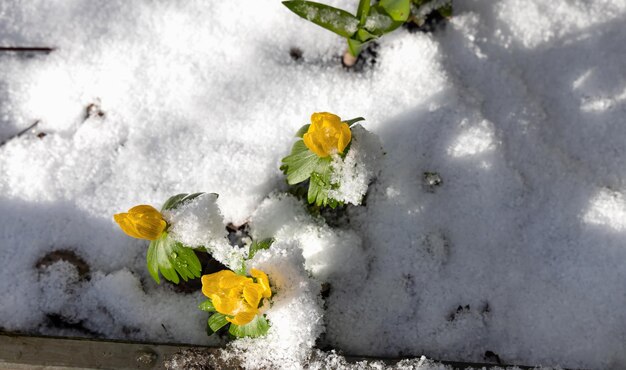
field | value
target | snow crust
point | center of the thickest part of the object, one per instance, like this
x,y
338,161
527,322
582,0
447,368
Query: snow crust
x,y
517,105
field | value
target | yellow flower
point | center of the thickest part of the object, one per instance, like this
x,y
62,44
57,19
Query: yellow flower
x,y
236,296
327,134
142,222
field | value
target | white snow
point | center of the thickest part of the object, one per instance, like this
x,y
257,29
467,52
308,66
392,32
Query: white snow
x,y
517,105
356,170
198,223
295,315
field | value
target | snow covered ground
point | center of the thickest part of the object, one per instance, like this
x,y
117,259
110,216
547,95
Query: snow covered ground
x,y
518,105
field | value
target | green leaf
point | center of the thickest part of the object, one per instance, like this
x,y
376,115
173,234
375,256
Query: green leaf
x,y
320,183
217,321
333,19
364,36
363,11
300,163
257,246
303,130
172,259
379,22
207,306
255,328
351,122
153,263
178,199
354,46
398,10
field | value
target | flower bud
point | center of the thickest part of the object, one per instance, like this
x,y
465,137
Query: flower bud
x,y
327,135
142,222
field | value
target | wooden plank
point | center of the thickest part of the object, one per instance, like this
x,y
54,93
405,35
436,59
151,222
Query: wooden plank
x,y
19,352
31,352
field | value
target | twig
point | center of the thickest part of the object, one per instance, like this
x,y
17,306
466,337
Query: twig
x,y
20,133
26,49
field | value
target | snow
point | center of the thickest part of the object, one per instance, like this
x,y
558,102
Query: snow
x,y
295,315
198,223
517,106
357,169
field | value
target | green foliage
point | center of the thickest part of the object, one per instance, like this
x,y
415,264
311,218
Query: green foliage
x,y
299,165
336,20
320,183
177,200
309,175
172,259
254,329
370,22
207,306
363,11
259,245
217,321
398,10
303,130
351,122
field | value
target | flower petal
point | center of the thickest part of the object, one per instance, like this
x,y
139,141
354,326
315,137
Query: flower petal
x,y
225,305
212,283
311,143
142,222
327,134
252,293
320,117
233,280
243,317
262,279
127,226
344,137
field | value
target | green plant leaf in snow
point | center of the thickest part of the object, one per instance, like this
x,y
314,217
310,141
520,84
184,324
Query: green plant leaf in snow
x,y
255,328
217,321
303,130
172,259
398,10
207,306
319,184
257,246
362,11
379,22
333,19
354,46
351,122
178,199
300,163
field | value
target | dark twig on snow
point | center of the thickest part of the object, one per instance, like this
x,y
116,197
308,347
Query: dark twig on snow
x,y
20,133
26,49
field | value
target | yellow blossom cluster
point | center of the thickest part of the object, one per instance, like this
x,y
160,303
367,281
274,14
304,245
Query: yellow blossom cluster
x,y
237,296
